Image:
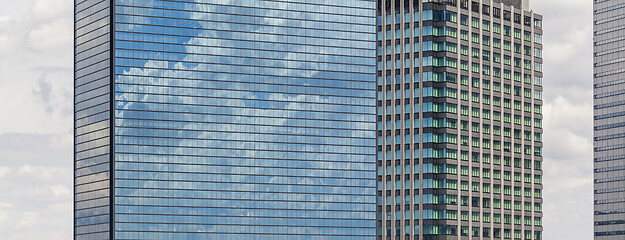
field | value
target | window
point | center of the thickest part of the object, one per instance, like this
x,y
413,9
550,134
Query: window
x,y
538,95
464,80
507,60
486,40
486,25
475,67
475,22
464,186
496,86
475,172
497,43
527,64
464,35
464,4
527,36
538,52
538,23
485,9
538,81
497,174
464,50
538,38
496,12
464,20
464,216
475,7
475,52
475,37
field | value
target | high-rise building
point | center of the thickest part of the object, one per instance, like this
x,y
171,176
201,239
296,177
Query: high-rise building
x,y
225,119
609,119
459,120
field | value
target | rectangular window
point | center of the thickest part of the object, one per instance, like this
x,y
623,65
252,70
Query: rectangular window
x,y
527,36
475,37
475,22
464,35
538,38
538,52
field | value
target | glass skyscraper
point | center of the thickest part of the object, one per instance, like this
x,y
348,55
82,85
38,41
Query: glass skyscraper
x,y
459,120
225,119
609,120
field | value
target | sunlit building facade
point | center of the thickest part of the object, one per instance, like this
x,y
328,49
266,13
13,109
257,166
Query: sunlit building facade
x,y
225,119
459,120
609,119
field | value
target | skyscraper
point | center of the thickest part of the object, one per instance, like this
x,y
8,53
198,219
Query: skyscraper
x,y
459,120
225,119
609,123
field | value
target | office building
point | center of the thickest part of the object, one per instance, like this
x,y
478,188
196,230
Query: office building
x,y
609,120
225,119
459,120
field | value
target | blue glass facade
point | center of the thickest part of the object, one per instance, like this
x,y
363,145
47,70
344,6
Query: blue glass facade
x,y
233,119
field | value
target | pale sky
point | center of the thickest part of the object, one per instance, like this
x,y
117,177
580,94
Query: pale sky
x,y
36,89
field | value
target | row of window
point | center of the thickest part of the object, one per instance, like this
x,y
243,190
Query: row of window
x,y
450,199
452,184
464,50
464,111
484,158
451,16
464,231
444,214
464,65
464,155
464,95
452,153
464,80
464,171
464,140
447,31
453,138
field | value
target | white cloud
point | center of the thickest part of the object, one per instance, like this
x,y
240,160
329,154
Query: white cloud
x,y
58,33
29,219
60,190
4,171
50,8
568,118
36,187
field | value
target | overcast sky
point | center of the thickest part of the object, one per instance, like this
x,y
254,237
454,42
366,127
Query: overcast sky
x,y
36,119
